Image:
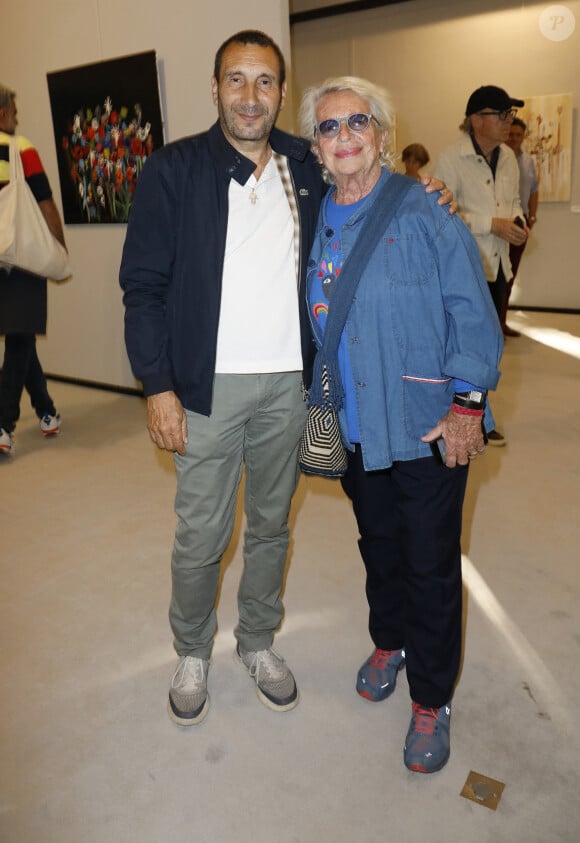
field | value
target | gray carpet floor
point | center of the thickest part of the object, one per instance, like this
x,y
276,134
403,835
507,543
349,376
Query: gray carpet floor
x,y
87,752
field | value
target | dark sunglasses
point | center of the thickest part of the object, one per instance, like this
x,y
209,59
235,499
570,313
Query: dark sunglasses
x,y
355,122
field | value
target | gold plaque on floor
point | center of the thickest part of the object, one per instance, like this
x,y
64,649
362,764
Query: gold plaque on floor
x,y
483,790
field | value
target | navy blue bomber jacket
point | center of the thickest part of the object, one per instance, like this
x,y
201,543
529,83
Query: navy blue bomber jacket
x,y
173,256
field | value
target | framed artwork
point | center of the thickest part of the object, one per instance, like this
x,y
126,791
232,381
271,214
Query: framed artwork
x,y
107,120
549,140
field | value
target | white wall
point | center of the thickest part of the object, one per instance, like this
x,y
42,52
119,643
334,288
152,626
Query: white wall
x,y
85,326
431,56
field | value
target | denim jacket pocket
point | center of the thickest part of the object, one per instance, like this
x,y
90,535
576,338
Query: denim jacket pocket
x,y
409,260
425,401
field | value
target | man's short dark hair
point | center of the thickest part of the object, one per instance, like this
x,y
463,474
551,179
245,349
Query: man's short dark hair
x,y
251,36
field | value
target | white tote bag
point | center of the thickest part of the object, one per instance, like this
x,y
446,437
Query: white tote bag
x,y
25,239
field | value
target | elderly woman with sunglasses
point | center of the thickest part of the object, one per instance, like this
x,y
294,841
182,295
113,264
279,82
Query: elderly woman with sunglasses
x,y
408,373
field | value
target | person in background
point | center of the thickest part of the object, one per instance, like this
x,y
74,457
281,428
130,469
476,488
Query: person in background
x,y
419,351
414,157
23,297
529,196
485,179
217,331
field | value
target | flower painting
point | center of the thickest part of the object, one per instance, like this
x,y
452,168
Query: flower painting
x,y
107,122
548,139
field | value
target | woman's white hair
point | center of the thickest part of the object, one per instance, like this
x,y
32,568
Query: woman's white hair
x,y
379,104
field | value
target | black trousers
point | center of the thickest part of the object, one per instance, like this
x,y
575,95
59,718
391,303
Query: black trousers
x,y
516,253
497,290
22,370
409,519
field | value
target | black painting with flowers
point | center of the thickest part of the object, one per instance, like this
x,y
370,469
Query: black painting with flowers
x,y
107,122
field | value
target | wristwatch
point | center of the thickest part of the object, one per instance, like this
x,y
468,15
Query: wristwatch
x,y
472,400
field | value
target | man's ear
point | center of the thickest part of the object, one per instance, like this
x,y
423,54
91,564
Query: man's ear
x,y
214,90
283,91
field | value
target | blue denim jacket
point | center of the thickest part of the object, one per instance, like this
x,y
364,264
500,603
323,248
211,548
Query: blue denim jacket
x,y
422,316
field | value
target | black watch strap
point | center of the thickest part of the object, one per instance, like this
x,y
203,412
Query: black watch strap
x,y
472,400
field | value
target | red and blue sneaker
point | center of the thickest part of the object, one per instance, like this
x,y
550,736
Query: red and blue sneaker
x,y
427,743
377,678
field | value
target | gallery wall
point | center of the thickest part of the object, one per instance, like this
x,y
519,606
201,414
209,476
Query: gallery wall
x,y
85,326
431,56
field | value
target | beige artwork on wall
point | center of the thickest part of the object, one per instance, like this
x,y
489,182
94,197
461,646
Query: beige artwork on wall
x,y
393,136
549,140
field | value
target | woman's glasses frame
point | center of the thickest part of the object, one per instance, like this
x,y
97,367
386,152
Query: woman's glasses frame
x,y
357,123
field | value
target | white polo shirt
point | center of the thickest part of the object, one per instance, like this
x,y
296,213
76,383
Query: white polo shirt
x,y
259,330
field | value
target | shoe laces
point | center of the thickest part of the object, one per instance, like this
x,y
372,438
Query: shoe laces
x,y
380,658
425,719
189,669
268,662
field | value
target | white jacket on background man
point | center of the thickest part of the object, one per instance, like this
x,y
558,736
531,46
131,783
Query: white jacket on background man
x,y
480,198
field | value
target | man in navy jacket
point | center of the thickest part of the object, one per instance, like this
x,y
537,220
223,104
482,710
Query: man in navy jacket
x,y
213,276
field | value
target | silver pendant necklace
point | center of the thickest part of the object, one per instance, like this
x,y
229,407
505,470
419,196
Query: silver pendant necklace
x,y
264,178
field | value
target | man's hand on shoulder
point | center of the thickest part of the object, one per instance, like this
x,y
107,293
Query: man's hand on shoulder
x,y
167,422
432,185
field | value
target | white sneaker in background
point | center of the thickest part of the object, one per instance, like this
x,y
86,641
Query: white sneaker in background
x,y
50,425
6,442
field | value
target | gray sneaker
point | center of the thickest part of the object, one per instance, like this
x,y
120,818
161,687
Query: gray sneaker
x,y
188,696
275,685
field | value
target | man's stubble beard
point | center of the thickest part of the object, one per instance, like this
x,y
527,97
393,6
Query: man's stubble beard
x,y
252,133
